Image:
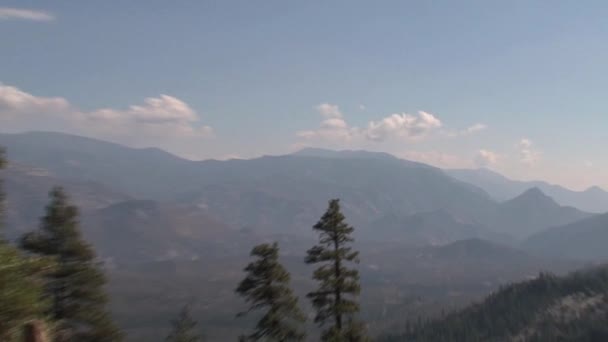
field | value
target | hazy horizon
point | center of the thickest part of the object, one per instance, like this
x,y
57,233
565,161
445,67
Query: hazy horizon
x,y
454,86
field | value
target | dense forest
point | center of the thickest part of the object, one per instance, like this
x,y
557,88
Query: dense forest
x,y
548,308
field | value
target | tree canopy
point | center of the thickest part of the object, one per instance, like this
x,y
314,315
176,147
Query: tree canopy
x,y
335,300
75,287
266,288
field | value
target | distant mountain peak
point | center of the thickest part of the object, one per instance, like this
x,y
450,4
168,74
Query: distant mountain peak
x,y
485,170
534,191
69,141
534,194
595,190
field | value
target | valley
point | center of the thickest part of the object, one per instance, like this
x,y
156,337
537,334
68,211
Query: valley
x,y
172,231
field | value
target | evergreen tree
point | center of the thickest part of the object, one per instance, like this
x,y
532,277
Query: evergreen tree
x,y
2,166
75,287
335,299
266,287
21,292
183,328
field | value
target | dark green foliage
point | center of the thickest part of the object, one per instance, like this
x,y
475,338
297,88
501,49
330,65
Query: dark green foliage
x,y
21,292
2,166
335,299
266,287
548,308
75,287
183,328
2,158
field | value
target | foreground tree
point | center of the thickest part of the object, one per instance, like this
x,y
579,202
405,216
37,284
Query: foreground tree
x,y
183,328
21,291
266,288
2,166
75,287
335,299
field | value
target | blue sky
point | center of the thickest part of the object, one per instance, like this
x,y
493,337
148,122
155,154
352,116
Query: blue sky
x,y
515,86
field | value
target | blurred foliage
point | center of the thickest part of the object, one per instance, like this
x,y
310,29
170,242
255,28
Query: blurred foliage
x,y
21,290
184,328
75,286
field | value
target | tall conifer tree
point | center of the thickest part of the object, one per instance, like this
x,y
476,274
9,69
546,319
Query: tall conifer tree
x,y
21,294
75,287
336,298
266,288
2,166
183,328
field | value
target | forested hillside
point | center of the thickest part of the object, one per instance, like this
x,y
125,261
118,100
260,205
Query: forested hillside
x,y
547,308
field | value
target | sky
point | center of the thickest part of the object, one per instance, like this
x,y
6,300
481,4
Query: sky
x,y
516,86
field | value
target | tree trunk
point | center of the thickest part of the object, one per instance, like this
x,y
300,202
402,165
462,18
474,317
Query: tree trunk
x,y
337,290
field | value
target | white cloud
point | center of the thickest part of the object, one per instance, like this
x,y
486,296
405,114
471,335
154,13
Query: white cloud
x,y
473,129
16,102
156,117
467,131
402,125
525,143
329,110
333,128
528,154
485,158
7,13
157,120
362,107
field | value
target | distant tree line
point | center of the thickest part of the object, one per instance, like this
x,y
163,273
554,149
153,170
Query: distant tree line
x,y
534,310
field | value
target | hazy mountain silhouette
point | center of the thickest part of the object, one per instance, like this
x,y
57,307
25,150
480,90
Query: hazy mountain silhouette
x,y
286,194
585,239
594,199
532,212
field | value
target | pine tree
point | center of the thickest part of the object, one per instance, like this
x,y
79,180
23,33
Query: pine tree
x,y
75,287
335,299
266,287
21,293
183,328
2,166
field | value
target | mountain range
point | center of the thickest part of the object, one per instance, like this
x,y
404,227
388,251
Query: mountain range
x,y
593,199
166,225
384,197
583,240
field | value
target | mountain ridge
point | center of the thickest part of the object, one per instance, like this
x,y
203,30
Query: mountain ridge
x,y
583,240
593,199
286,194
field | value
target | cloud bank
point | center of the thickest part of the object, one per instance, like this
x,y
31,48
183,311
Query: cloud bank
x,y
528,154
8,13
398,126
485,158
158,121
